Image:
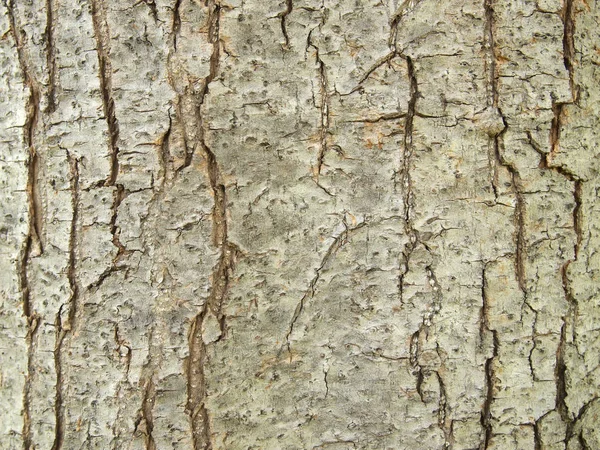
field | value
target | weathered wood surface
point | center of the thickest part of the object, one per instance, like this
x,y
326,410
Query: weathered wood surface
x,y
300,224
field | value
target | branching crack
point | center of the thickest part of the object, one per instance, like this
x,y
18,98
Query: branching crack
x,y
145,423
32,245
405,178
323,107
196,385
229,252
404,9
497,141
62,328
380,62
338,242
201,92
151,4
560,373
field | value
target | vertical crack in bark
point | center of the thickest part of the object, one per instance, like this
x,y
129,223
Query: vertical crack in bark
x,y
436,304
414,349
289,6
560,372
147,414
443,423
519,217
405,177
124,354
32,245
323,107
176,25
537,438
121,343
50,56
63,328
102,36
58,397
338,242
164,155
490,376
144,423
325,375
569,40
200,96
151,4
414,362
403,10
196,386
196,379
560,380
119,195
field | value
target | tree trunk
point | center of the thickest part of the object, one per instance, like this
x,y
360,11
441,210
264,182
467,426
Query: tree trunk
x,y
300,224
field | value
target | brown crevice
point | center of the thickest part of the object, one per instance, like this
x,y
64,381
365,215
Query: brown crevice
x,y
537,438
229,252
289,6
560,373
196,386
490,376
560,377
176,25
405,178
324,108
408,149
71,268
200,96
32,245
50,56
443,423
519,218
63,328
59,426
325,375
147,417
102,36
582,441
144,423
414,362
122,343
497,142
569,40
119,195
164,155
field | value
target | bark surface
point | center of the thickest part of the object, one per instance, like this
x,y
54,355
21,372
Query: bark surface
x,y
300,224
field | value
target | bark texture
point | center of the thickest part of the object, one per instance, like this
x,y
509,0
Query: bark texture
x,y
300,224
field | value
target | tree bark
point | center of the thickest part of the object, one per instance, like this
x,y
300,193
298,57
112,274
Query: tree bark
x,y
300,224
